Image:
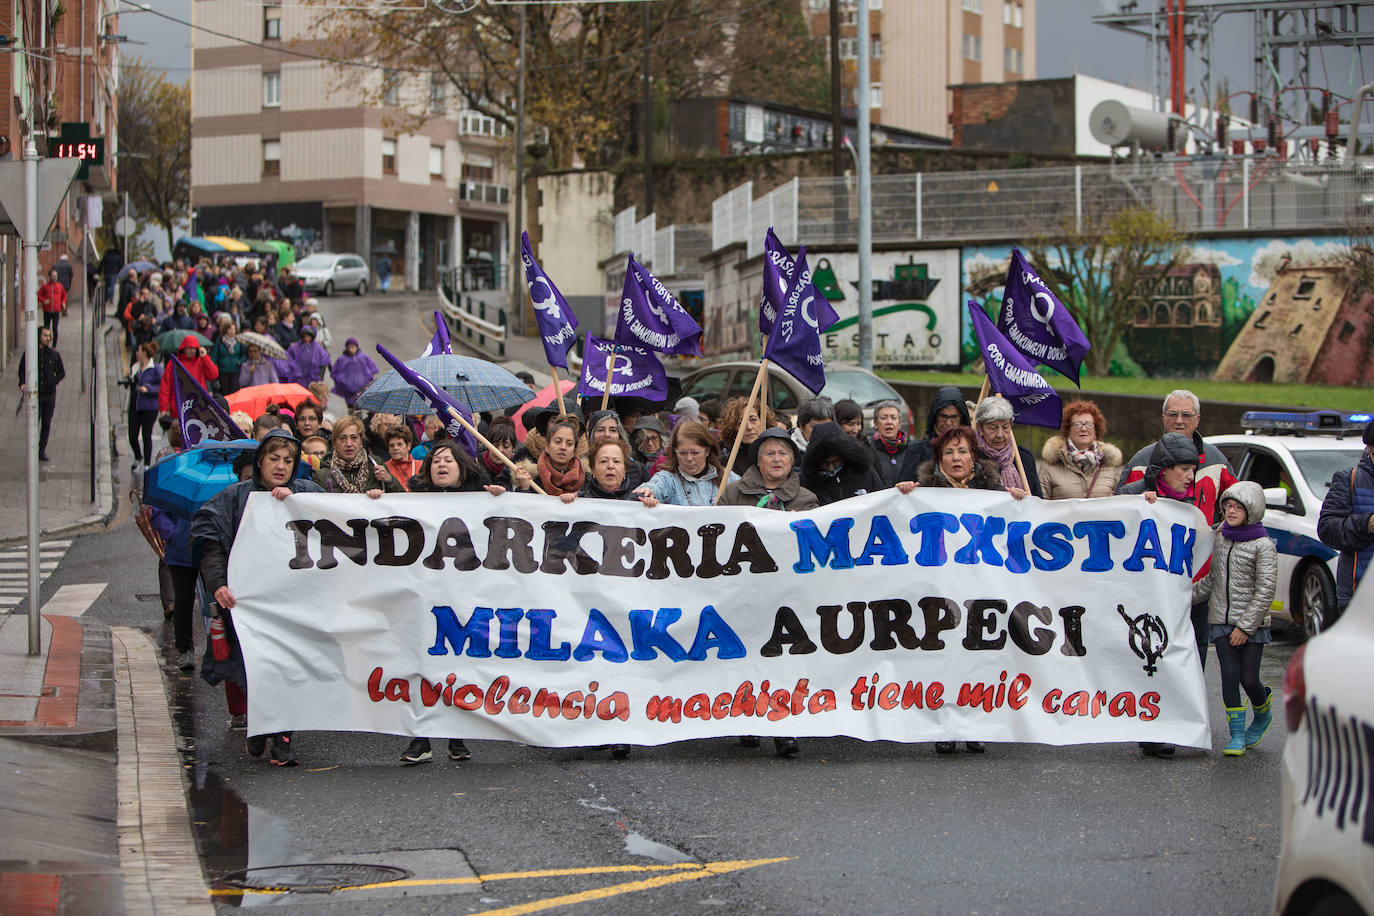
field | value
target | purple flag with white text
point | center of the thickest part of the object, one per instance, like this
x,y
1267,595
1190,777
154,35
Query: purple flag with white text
x,y
795,341
440,400
1013,376
636,371
650,317
1036,323
198,416
439,343
557,323
778,267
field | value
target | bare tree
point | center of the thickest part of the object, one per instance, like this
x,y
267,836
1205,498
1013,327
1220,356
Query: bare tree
x,y
155,131
1106,268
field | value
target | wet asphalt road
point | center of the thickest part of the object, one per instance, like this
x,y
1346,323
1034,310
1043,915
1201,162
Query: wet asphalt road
x,y
856,827
861,827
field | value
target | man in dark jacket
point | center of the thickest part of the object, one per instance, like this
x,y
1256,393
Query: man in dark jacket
x,y
110,264
50,373
64,272
947,410
836,466
1346,523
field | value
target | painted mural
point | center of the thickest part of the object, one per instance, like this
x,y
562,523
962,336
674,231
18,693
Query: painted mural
x,y
916,307
1253,309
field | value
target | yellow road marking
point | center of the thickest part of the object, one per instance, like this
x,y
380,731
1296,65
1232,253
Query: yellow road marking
x,y
696,870
629,887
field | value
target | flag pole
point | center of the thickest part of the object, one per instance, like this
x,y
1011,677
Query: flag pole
x,y
491,448
558,389
610,367
739,433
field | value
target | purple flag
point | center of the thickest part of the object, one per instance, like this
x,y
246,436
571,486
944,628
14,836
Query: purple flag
x,y
795,341
1035,322
651,317
198,416
557,323
441,401
1013,376
439,343
636,371
778,268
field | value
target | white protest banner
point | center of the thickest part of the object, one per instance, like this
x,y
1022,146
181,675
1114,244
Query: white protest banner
x,y
941,614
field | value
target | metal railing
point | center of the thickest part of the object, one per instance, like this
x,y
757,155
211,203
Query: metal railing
x,y
1217,196
470,318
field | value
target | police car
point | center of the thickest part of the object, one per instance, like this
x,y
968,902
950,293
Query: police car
x,y
1293,456
1326,864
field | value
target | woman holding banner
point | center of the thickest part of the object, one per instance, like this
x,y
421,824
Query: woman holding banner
x,y
958,465
212,535
604,426
992,426
691,475
446,469
349,468
559,470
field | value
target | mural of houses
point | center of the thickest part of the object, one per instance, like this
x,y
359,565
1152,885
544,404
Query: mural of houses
x,y
1178,331
1311,326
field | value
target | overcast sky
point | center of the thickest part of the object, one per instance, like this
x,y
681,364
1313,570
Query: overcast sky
x,y
1068,42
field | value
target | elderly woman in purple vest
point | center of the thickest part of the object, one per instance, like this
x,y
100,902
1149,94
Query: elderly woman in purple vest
x,y
310,358
352,371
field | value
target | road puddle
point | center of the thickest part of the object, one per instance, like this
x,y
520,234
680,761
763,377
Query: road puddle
x,y
636,843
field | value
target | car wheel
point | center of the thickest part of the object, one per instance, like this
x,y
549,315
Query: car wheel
x,y
1315,598
328,288
362,288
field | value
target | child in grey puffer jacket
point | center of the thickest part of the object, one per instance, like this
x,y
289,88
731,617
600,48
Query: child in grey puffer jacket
x,y
1239,589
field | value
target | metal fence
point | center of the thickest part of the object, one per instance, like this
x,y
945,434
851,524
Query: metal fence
x,y
1222,196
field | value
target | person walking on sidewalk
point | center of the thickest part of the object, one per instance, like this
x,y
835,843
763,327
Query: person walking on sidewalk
x,y
146,376
1239,589
213,530
50,374
52,297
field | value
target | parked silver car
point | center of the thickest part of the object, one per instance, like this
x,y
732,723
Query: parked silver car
x,y
324,272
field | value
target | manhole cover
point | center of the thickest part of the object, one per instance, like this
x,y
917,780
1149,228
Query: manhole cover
x,y
312,877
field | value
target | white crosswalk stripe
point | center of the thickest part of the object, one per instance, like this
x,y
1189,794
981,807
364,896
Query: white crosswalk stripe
x,y
14,570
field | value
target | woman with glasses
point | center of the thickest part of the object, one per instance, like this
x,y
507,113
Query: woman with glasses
x,y
992,420
693,470
1077,464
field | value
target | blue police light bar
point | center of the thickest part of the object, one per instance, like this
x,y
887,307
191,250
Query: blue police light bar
x,y
1299,423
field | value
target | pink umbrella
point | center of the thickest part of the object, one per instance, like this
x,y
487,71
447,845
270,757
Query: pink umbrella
x,y
545,397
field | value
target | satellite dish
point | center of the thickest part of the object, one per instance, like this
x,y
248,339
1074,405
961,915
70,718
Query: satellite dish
x,y
1116,124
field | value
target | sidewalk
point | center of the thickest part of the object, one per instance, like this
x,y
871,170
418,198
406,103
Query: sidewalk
x,y
64,484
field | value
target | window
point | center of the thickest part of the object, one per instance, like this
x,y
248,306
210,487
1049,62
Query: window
x,y
1261,320
271,157
1012,60
390,92
389,156
973,6
973,47
1006,13
436,161
849,48
474,122
478,168
1016,16
1305,287
1296,331
875,95
271,90
875,48
1347,331
271,22
436,93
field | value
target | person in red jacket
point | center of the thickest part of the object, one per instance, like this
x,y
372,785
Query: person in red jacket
x,y
52,296
201,367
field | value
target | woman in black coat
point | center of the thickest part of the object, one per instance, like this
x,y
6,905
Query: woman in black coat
x,y
836,466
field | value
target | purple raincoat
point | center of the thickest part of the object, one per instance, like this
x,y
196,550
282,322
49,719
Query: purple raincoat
x,y
310,359
352,373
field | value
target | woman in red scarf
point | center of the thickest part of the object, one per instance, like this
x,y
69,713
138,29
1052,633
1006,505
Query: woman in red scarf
x,y
559,469
399,442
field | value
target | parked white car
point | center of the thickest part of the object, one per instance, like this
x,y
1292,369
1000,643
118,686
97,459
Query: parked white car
x,y
1326,864
324,272
1292,456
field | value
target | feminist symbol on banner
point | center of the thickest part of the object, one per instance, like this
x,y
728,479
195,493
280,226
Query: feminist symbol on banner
x,y
1148,638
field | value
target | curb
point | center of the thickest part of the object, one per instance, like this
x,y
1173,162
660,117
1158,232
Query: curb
x,y
76,708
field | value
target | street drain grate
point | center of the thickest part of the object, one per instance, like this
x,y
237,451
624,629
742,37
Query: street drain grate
x,y
149,599
311,877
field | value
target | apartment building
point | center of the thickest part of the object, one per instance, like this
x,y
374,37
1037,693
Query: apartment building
x,y
918,48
283,146
70,53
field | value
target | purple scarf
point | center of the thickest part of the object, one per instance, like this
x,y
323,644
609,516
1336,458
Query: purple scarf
x,y
1251,532
1005,458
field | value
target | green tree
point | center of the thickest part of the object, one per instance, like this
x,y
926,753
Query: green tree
x,y
583,61
155,141
1105,268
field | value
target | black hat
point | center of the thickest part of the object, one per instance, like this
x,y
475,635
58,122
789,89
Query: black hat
x,y
1369,434
768,435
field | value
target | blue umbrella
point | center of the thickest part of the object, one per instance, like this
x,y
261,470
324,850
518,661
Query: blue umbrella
x,y
180,484
480,385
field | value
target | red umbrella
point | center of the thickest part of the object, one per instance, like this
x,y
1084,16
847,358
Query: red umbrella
x,y
545,397
253,401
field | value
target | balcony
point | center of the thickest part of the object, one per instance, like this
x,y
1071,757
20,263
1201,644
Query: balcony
x,y
483,192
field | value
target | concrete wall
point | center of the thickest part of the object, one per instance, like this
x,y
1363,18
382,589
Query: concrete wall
x,y
570,228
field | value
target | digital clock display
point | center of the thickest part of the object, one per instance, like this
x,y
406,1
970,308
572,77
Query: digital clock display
x,y
89,150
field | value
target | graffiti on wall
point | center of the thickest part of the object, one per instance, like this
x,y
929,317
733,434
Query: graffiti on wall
x,y
1260,309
